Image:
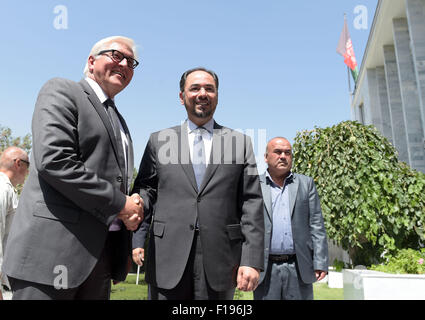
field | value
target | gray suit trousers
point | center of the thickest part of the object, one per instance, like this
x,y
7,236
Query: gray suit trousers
x,y
283,283
194,284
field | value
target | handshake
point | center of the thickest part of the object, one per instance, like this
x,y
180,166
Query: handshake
x,y
132,213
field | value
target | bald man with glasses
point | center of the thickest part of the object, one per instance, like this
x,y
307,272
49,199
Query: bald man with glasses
x,y
13,170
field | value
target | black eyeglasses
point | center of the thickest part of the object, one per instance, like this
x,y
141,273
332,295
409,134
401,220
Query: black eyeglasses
x,y
24,161
118,56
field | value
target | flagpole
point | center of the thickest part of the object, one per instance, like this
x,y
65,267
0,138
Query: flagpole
x,y
350,93
345,48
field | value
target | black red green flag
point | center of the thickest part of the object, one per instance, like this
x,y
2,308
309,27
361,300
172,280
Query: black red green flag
x,y
345,48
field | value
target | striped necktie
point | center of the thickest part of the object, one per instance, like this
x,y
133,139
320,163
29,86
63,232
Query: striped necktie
x,y
199,159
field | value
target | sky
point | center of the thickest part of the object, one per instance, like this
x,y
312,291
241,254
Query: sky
x,y
276,59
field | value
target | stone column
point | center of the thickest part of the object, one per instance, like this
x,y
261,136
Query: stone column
x,y
386,129
416,20
394,100
409,94
374,112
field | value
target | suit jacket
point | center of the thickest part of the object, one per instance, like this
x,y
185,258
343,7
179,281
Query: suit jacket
x,y
308,229
76,187
228,207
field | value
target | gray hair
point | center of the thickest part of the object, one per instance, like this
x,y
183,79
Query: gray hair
x,y
104,45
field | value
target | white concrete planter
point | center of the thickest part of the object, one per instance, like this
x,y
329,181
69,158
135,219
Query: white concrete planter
x,y
335,279
374,285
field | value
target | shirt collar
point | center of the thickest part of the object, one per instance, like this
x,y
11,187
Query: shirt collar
x,y
98,90
288,179
209,126
6,179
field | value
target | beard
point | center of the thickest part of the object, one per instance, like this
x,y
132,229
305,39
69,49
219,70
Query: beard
x,y
201,114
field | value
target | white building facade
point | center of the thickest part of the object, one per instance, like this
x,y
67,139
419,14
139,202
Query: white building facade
x,y
390,90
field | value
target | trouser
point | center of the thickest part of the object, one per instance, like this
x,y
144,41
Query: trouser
x,y
282,283
193,285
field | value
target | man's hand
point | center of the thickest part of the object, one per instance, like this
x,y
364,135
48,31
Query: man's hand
x,y
247,278
132,213
139,256
320,274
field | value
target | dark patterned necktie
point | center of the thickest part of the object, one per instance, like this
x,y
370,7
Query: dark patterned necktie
x,y
115,121
116,125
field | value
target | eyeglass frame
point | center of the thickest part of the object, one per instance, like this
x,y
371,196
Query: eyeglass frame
x,y
24,161
123,57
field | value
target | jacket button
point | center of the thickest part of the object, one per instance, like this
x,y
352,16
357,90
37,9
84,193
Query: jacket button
x,y
198,199
119,179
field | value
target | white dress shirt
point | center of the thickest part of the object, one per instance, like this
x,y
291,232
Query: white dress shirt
x,y
207,136
8,205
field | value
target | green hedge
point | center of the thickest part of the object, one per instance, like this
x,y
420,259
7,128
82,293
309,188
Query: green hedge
x,y
373,204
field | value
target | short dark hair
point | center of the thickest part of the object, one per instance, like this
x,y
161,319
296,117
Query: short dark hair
x,y
185,74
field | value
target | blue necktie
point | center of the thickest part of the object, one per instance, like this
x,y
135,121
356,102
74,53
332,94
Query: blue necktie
x,y
199,159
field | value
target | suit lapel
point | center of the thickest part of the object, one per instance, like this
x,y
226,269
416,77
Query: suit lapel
x,y
183,152
267,196
100,109
293,190
220,142
130,155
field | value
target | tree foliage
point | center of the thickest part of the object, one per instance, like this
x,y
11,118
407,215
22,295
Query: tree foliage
x,y
372,204
7,140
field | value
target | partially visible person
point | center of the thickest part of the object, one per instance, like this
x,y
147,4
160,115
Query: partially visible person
x,y
71,232
296,248
14,166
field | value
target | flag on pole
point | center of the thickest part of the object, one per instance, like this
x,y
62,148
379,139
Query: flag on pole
x,y
345,48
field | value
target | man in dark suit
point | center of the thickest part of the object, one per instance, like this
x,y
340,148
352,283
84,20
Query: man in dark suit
x,y
296,249
71,232
201,181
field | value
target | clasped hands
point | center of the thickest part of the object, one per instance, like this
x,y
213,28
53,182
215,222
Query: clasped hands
x,y
132,213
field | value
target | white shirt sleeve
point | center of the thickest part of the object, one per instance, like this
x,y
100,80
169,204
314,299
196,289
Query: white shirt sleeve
x,y
8,205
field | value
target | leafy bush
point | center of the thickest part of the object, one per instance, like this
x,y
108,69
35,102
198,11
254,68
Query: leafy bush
x,y
338,265
372,203
405,261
